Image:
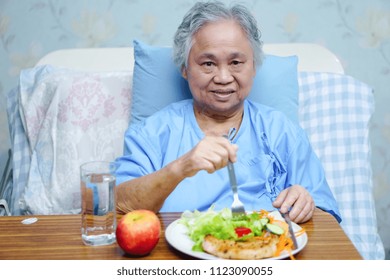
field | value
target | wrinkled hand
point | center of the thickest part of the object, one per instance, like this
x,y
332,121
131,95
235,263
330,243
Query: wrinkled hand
x,y
299,200
210,154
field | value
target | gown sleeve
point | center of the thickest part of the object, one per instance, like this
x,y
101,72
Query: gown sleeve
x,y
140,156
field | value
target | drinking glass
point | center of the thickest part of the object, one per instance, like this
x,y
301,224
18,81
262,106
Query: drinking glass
x,y
98,211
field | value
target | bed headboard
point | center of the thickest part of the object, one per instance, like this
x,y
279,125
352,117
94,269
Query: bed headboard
x,y
312,57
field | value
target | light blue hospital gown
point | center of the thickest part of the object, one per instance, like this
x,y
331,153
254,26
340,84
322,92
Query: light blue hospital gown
x,y
274,153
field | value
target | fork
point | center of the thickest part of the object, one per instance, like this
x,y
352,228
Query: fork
x,y
237,206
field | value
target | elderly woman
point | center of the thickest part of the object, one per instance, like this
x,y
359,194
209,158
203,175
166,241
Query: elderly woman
x,y
175,159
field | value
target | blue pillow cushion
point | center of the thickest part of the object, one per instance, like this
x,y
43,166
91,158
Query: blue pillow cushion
x,y
157,82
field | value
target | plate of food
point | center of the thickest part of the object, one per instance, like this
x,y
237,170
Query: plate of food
x,y
220,235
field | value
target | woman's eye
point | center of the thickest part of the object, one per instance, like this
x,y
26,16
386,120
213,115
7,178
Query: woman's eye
x,y
208,63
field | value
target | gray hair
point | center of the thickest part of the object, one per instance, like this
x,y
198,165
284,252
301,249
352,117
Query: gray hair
x,y
205,12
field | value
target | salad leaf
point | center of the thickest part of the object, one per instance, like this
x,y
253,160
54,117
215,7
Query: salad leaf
x,y
221,224
200,224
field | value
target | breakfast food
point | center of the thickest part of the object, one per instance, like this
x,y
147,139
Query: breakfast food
x,y
256,235
253,248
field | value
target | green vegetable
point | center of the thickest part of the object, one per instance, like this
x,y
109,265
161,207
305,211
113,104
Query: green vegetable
x,y
275,229
221,225
200,224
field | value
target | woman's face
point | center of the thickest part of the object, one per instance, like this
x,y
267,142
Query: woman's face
x,y
220,69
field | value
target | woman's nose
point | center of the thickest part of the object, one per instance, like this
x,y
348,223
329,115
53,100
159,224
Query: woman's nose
x,y
223,75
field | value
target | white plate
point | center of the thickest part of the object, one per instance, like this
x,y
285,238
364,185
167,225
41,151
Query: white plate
x,y
176,235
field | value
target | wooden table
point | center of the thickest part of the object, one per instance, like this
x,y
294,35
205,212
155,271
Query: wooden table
x,y
58,237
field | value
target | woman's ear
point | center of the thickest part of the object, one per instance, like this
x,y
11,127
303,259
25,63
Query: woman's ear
x,y
184,72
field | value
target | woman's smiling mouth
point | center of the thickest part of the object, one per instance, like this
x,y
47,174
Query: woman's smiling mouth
x,y
224,94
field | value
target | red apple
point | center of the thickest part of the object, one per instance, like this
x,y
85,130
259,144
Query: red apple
x,y
138,232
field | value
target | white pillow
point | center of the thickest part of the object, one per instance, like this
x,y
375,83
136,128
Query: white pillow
x,y
69,117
